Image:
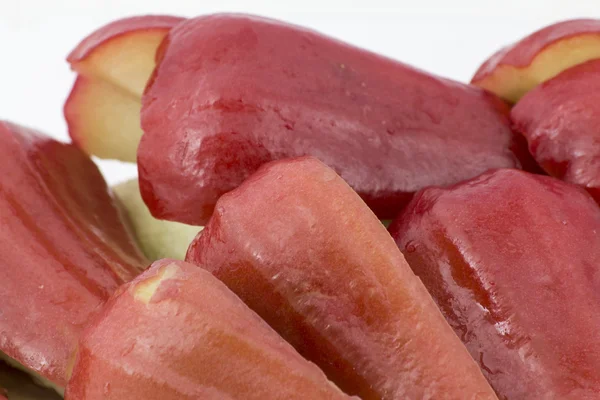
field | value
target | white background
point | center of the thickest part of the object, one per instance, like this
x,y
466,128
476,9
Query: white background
x,y
447,37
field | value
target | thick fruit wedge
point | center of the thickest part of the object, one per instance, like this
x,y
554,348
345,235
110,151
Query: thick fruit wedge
x,y
232,92
305,252
158,239
512,260
64,249
561,121
113,65
177,333
518,68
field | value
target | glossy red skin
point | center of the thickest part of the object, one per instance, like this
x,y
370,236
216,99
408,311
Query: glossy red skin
x,y
232,92
118,28
194,339
64,248
522,53
512,261
299,246
561,121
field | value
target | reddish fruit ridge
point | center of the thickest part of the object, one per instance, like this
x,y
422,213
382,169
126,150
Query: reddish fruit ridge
x,y
177,333
512,260
64,248
301,248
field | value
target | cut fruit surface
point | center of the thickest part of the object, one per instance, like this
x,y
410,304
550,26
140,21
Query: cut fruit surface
x,y
301,248
518,68
512,260
232,92
177,333
103,121
123,52
158,239
561,121
113,66
64,249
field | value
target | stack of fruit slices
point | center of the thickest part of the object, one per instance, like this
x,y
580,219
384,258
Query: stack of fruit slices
x,y
249,261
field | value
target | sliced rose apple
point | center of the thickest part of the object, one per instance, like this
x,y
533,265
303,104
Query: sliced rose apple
x,y
299,246
232,92
518,68
113,66
561,121
64,249
157,239
388,128
177,333
513,261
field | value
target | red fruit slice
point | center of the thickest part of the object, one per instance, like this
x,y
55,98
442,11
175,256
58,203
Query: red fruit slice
x,y
232,92
64,249
561,121
113,65
512,260
178,333
302,250
514,70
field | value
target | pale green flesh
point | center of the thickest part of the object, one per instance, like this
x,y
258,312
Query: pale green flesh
x,y
157,239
